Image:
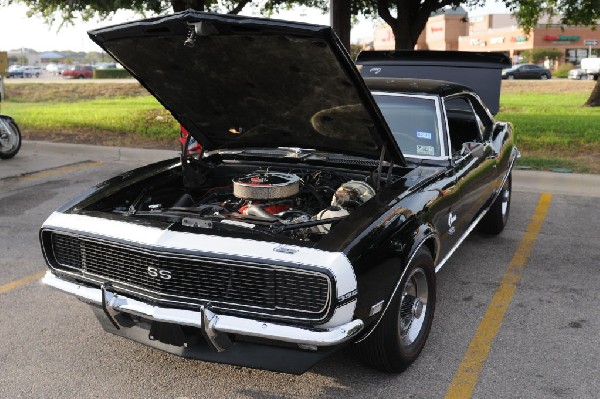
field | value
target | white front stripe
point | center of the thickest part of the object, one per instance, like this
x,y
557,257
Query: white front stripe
x,y
335,262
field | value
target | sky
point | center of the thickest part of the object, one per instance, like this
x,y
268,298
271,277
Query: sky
x,y
19,31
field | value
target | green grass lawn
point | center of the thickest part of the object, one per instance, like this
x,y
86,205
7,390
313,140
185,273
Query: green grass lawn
x,y
142,116
553,129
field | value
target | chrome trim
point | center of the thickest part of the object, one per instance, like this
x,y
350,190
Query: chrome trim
x,y
218,340
216,323
461,239
147,293
440,131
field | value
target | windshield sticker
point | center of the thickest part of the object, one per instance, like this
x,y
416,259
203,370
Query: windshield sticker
x,y
424,135
425,150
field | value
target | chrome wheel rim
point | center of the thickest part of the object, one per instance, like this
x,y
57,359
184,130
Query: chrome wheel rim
x,y
413,307
505,200
9,139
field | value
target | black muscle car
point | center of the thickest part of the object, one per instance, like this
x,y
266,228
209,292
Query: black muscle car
x,y
316,214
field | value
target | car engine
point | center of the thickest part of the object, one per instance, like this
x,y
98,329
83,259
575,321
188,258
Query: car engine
x,y
301,204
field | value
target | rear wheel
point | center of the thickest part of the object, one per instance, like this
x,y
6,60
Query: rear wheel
x,y
497,217
10,138
403,330
544,77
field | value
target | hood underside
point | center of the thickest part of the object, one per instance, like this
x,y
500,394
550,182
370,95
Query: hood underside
x,y
247,82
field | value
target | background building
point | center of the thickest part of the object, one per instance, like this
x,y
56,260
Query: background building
x,y
454,30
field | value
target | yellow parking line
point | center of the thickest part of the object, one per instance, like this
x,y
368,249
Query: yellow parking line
x,y
467,375
58,171
21,282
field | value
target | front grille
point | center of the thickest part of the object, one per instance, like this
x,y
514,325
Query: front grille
x,y
252,286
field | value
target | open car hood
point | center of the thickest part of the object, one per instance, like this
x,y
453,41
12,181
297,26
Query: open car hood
x,y
248,82
481,71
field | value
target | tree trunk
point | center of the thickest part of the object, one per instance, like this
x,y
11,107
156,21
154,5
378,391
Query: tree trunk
x,y
340,16
594,100
402,36
410,21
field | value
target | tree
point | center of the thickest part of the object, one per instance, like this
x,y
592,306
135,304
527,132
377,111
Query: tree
x,y
569,12
410,16
67,11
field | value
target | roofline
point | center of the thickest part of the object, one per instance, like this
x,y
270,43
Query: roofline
x,y
493,60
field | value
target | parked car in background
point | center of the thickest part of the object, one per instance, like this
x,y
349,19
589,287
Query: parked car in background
x,y
106,65
30,71
56,69
312,218
79,72
15,71
577,74
526,71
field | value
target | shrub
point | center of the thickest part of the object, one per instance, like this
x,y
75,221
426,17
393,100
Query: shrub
x,y
115,73
562,71
537,55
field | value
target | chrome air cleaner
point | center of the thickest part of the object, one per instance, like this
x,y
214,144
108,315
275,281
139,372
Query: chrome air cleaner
x,y
267,185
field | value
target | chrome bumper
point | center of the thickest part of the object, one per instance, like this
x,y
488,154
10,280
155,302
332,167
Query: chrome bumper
x,y
214,326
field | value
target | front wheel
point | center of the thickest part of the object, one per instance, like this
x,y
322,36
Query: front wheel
x,y
10,138
544,77
497,216
403,330
510,77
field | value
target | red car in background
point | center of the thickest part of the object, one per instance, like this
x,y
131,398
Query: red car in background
x,y
79,72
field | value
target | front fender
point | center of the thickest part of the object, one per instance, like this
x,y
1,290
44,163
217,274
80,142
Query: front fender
x,y
378,285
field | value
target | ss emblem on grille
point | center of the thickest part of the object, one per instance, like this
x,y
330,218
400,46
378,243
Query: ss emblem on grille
x,y
156,272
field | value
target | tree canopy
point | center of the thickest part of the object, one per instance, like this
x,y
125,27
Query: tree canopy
x,y
68,11
568,12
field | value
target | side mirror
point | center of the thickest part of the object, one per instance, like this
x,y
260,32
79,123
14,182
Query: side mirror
x,y
473,148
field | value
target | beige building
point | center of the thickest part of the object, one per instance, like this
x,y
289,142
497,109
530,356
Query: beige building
x,y
454,30
441,32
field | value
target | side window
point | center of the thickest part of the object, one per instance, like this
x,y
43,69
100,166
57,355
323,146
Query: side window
x,y
463,123
484,122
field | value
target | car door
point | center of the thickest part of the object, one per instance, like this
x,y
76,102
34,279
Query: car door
x,y
535,72
473,158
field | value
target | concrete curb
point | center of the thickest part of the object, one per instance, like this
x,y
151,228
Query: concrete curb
x,y
533,181
99,153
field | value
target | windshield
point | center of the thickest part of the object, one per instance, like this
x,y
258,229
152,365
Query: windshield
x,y
413,122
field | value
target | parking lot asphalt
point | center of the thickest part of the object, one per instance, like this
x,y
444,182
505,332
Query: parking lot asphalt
x,y
538,280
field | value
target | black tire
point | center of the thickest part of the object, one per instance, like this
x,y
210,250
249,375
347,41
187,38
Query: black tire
x,y
397,341
10,142
497,217
510,77
544,76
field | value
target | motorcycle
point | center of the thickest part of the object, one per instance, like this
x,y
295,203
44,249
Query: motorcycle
x,y
10,137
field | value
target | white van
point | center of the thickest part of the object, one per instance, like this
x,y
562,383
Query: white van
x,y
591,66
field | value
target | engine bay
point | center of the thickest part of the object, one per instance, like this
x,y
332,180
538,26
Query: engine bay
x,y
302,204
